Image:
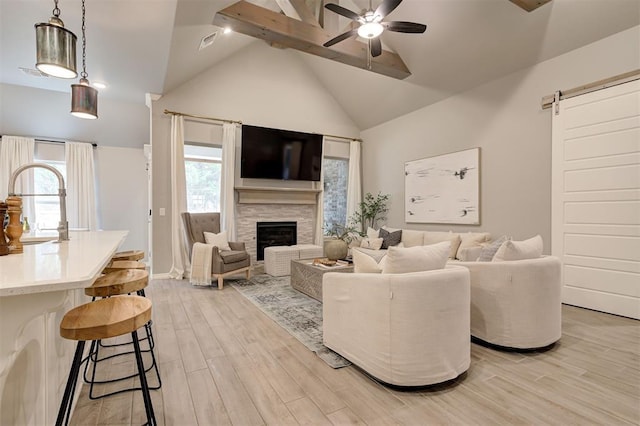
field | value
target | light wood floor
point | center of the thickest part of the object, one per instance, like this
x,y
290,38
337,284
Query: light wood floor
x,y
224,362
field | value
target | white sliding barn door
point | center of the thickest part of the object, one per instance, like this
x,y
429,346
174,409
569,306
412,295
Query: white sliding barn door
x,y
596,198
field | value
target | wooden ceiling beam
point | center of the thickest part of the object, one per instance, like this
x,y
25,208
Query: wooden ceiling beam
x,y
530,5
258,22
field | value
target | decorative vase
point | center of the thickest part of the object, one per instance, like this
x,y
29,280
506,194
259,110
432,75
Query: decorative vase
x,y
335,249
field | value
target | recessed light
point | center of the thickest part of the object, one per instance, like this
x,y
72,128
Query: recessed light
x,y
227,30
99,84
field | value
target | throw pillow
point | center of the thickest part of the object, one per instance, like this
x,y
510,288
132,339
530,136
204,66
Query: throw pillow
x,y
471,239
371,243
520,250
368,261
390,238
416,259
219,240
372,233
488,251
432,237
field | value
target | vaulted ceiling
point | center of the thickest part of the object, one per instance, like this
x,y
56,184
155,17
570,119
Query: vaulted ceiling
x,y
151,46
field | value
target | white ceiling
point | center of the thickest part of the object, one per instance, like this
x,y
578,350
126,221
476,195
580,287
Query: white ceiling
x,y
151,46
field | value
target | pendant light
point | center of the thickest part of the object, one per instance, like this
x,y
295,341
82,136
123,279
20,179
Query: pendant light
x,y
84,98
56,47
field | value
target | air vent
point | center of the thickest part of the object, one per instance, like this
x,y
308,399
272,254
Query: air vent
x,y
207,40
32,72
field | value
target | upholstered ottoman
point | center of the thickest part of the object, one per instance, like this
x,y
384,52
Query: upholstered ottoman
x,y
277,259
310,251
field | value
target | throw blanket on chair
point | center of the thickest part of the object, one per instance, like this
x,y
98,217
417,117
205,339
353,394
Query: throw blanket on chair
x,y
201,264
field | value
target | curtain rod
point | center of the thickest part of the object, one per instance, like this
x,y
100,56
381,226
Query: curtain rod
x,y
93,144
343,137
166,111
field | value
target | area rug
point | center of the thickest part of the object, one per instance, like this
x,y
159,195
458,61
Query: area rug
x,y
296,312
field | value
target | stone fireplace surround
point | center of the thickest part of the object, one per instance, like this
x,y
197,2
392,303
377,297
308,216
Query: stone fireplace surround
x,y
247,215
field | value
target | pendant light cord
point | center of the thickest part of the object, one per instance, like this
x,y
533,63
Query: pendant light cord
x,y
83,74
56,9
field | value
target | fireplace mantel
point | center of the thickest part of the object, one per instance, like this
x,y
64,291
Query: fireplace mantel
x,y
269,195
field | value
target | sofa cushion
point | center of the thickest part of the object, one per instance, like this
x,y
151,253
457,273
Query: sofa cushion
x,y
371,243
233,256
411,238
390,239
520,250
433,237
489,250
472,239
416,259
368,261
219,240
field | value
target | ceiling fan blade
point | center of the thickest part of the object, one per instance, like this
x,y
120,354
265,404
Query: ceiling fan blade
x,y
405,27
342,11
386,7
376,47
340,38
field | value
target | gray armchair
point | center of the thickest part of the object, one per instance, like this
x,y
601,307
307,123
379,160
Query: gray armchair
x,y
223,263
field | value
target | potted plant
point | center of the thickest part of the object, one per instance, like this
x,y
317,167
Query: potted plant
x,y
337,247
372,210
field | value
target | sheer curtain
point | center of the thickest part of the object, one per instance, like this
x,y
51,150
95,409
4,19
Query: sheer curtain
x,y
319,237
81,194
14,152
180,259
354,186
227,180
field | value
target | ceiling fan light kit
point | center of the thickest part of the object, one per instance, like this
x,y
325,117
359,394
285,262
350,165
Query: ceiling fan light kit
x,y
55,47
84,98
371,25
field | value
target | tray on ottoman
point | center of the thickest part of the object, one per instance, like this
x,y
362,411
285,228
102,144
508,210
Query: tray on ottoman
x,y
307,277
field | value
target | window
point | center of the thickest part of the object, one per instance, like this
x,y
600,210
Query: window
x,y
47,208
202,170
336,174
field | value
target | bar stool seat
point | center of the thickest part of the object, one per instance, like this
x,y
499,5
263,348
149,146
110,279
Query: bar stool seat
x,y
103,319
128,255
118,265
122,281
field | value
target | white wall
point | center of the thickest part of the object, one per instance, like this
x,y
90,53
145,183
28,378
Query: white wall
x,y
259,85
28,111
505,120
121,188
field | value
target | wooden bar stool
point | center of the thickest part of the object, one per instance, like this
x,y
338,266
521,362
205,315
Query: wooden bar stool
x,y
103,319
128,255
119,265
122,282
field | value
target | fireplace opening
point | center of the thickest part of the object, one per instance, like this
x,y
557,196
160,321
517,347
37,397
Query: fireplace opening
x,y
275,234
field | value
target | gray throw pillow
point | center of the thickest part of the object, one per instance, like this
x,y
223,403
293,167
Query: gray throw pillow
x,y
487,253
390,238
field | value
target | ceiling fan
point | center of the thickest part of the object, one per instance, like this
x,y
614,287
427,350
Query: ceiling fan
x,y
371,24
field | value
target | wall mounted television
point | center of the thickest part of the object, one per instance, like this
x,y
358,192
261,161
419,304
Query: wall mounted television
x,y
280,154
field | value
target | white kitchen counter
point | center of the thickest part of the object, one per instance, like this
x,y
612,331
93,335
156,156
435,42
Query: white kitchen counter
x,y
37,288
51,266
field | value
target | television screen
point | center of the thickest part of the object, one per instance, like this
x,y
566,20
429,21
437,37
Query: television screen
x,y
280,154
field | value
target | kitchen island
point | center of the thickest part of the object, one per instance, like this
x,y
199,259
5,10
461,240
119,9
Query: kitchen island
x,y
37,288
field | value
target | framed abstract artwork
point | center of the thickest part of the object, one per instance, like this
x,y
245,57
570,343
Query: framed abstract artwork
x,y
443,189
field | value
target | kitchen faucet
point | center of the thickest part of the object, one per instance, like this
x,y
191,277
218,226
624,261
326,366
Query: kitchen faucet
x,y
63,225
